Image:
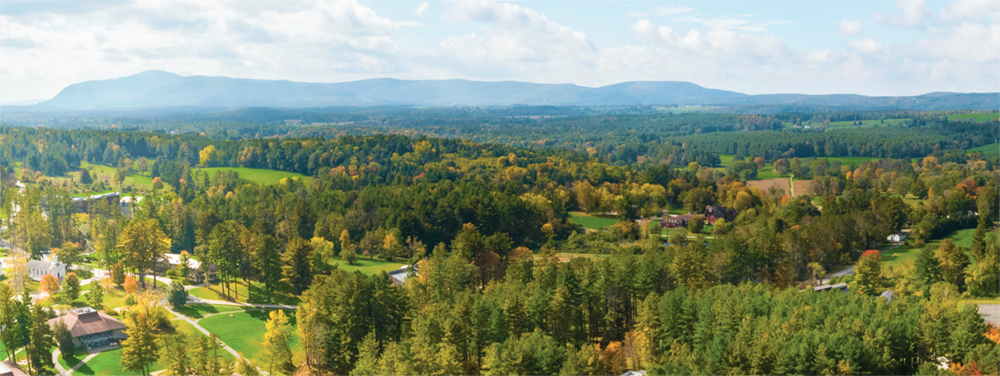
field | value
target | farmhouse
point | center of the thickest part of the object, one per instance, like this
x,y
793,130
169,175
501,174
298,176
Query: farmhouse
x,y
676,221
716,212
91,329
172,260
39,268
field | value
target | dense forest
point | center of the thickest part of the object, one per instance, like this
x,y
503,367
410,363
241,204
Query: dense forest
x,y
504,283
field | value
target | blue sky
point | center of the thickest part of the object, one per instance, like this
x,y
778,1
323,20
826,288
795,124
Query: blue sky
x,y
904,47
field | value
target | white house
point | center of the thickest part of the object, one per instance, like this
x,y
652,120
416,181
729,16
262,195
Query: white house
x,y
897,237
38,269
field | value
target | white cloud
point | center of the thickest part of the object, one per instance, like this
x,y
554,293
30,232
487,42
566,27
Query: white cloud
x,y
717,43
672,10
727,23
963,10
867,45
637,14
849,28
909,14
422,8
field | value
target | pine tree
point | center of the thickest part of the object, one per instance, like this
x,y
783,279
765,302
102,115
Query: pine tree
x,y
246,367
95,297
367,363
267,261
177,296
206,359
70,288
64,339
174,355
8,314
927,270
40,341
296,269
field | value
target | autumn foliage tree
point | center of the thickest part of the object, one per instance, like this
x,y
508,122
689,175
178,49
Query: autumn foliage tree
x,y
869,278
50,284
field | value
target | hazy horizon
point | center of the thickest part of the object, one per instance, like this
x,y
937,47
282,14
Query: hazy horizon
x,y
907,47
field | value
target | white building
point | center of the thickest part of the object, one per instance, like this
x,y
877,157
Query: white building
x,y
39,268
896,237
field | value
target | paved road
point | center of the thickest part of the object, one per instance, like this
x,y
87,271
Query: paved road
x,y
195,300
990,312
850,269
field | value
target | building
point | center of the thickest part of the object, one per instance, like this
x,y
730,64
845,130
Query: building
x,y
675,221
9,368
82,204
129,204
839,286
172,260
897,237
398,276
716,212
39,268
634,373
92,329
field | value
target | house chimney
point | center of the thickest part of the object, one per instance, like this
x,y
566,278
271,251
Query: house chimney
x,y
55,259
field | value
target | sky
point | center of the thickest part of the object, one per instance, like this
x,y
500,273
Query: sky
x,y
904,47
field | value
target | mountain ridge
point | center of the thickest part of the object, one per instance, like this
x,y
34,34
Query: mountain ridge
x,y
160,89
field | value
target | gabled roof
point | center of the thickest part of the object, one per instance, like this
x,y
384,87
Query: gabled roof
x,y
38,264
83,321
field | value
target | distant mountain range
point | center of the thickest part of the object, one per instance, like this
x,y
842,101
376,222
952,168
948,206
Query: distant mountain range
x,y
158,89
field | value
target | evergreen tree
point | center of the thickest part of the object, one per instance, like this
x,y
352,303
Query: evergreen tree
x,y
64,339
927,271
367,363
177,296
296,269
174,354
267,260
40,341
70,288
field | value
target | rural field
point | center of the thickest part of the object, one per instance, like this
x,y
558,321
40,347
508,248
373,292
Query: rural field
x,y
256,175
591,221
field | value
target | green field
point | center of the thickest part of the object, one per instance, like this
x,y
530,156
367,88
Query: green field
x,y
591,221
978,117
990,149
105,173
726,160
905,253
366,266
239,289
256,175
244,332
197,311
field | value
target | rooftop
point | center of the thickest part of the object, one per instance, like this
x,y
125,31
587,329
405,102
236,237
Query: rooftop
x,y
86,320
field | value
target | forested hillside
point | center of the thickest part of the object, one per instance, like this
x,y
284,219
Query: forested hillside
x,y
502,282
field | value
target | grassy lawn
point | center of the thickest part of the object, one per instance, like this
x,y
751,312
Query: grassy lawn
x,y
990,149
77,357
257,175
244,332
214,292
591,220
368,266
905,253
197,311
29,284
105,173
109,363
981,117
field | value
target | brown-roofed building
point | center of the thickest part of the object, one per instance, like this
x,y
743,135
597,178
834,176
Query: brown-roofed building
x,y
91,328
676,221
9,368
